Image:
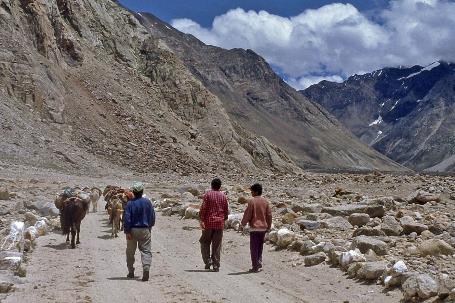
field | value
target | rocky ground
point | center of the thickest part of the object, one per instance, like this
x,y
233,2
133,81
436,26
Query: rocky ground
x,y
336,237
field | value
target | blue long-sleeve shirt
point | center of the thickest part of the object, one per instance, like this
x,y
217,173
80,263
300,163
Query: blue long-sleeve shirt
x,y
139,213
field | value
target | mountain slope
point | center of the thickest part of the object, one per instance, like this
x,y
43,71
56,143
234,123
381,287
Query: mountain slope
x,y
258,100
407,114
84,87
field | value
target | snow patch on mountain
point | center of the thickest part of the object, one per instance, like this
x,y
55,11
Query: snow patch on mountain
x,y
426,68
376,122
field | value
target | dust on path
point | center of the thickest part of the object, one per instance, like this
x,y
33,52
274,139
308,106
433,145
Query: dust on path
x,y
95,271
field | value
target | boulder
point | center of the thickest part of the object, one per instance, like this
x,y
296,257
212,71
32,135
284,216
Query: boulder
x,y
364,243
419,286
339,223
6,287
314,259
307,247
409,226
347,210
272,236
445,285
368,231
191,212
358,219
422,197
308,224
372,270
4,194
10,260
42,207
334,255
167,211
390,226
435,247
288,218
353,268
349,257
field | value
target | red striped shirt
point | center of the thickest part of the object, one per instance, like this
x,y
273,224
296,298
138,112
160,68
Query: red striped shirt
x,y
214,210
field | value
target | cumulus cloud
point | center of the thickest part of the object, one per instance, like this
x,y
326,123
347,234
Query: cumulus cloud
x,y
337,40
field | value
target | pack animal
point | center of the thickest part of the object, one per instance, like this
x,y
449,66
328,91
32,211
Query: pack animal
x,y
117,213
95,194
73,212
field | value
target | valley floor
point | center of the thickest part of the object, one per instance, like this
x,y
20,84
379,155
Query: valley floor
x,y
95,271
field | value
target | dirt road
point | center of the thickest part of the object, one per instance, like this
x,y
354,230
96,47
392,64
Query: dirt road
x,y
95,271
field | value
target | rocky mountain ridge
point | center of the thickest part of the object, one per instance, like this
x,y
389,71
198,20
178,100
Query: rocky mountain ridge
x,y
407,114
87,87
257,99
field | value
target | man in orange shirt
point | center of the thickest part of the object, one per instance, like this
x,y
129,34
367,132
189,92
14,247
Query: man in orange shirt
x,y
214,211
258,215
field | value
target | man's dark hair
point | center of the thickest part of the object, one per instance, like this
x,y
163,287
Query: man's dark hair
x,y
257,188
216,184
138,194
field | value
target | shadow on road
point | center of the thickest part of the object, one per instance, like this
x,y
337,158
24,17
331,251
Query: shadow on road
x,y
197,270
239,273
105,237
60,246
123,279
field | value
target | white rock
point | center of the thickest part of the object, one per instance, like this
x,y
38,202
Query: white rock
x,y
285,237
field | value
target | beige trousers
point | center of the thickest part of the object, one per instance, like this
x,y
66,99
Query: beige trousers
x,y
141,239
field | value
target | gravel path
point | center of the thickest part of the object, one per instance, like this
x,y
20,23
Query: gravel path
x,y
95,271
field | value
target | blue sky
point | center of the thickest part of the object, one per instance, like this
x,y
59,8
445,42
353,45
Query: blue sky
x,y
307,41
204,11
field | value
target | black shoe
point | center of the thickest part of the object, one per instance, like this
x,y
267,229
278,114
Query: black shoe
x,y
130,275
145,275
255,270
216,269
207,266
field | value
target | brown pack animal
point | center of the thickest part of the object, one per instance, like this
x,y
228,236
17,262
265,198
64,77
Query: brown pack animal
x,y
72,214
117,214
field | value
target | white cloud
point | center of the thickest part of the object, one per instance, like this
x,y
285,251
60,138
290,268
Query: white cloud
x,y
304,82
337,39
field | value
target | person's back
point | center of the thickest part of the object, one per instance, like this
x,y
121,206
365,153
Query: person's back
x,y
139,214
214,210
258,214
139,218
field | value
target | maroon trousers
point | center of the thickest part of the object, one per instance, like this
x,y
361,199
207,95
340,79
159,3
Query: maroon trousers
x,y
256,246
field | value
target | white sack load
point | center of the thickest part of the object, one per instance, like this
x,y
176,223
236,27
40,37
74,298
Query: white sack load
x,y
15,237
350,257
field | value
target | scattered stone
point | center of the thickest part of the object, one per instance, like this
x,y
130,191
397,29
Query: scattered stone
x,y
419,286
4,194
346,210
372,270
30,218
308,224
368,231
353,269
358,219
289,218
422,197
6,287
390,226
409,225
352,256
339,223
314,259
364,243
307,247
435,247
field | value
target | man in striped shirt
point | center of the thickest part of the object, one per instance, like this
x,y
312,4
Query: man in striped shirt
x,y
214,211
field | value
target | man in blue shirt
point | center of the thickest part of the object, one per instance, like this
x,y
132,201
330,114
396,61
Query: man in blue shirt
x,y
139,218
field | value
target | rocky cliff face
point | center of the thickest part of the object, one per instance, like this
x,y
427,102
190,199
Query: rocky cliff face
x,y
85,86
407,114
258,100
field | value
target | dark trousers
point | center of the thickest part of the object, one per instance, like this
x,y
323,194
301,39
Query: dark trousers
x,y
212,237
256,246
